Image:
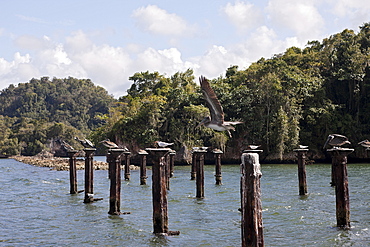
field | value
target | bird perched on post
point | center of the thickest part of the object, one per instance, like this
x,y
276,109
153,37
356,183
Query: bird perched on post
x,y
85,143
163,144
252,147
216,121
109,144
66,146
365,143
336,140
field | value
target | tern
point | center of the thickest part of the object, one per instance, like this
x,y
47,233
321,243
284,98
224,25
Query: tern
x,y
336,140
216,121
163,144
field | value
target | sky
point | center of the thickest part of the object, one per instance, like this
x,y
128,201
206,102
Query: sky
x,y
109,41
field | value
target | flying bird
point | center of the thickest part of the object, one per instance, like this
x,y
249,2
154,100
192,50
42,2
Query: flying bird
x,y
109,144
85,143
216,121
336,140
365,143
163,144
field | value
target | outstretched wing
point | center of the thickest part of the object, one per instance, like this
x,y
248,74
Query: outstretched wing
x,y
212,102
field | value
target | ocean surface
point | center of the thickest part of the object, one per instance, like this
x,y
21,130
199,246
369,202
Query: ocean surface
x,y
36,209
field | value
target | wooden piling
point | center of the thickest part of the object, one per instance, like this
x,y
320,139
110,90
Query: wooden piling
x,y
339,160
89,175
172,162
113,157
159,191
302,182
218,174
143,154
199,166
72,171
251,207
193,167
126,159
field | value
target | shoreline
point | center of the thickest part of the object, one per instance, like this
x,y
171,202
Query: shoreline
x,y
62,164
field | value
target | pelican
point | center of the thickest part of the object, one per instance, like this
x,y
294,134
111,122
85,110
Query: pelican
x,y
109,144
66,146
365,143
216,121
163,144
86,143
336,140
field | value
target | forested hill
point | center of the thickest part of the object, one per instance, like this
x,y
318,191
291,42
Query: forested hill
x,y
75,101
35,114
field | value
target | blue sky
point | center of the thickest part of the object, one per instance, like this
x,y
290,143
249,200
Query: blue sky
x,y
108,41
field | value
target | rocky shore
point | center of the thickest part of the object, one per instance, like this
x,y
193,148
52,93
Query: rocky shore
x,y
62,164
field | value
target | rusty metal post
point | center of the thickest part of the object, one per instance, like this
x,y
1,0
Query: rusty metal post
x,y
251,207
218,174
193,167
199,165
143,176
127,165
89,175
72,171
113,157
159,191
339,160
302,183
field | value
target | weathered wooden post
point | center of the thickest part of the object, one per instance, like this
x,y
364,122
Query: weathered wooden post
x,y
143,176
193,167
302,183
126,159
159,191
172,162
72,171
113,156
218,175
89,175
251,207
333,166
198,154
339,160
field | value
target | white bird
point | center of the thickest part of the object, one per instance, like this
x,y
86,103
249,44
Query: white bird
x,y
85,143
336,140
163,144
302,146
109,144
365,143
216,121
252,147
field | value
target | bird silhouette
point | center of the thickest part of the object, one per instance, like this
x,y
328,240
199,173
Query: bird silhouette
x,y
216,121
85,143
365,143
336,140
163,144
107,143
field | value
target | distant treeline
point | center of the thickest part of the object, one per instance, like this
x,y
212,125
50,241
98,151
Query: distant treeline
x,y
297,97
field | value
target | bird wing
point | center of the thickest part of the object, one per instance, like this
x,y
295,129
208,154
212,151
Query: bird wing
x,y
213,103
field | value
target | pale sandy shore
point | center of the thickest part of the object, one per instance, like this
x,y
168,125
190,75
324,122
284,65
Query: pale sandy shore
x,y
62,164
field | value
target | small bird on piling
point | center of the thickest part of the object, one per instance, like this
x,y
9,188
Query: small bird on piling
x,y
302,147
336,140
365,143
109,144
85,143
163,144
66,146
252,147
216,121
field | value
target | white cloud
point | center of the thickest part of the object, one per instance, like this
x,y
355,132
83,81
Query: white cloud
x,y
301,17
243,15
158,21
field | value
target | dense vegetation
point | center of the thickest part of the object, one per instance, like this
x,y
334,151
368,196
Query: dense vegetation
x,y
297,97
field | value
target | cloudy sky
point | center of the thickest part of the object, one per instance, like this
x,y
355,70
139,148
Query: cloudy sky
x,y
108,41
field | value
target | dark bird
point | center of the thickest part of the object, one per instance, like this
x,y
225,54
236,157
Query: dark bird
x,y
66,146
109,144
163,144
336,140
216,121
365,143
85,143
